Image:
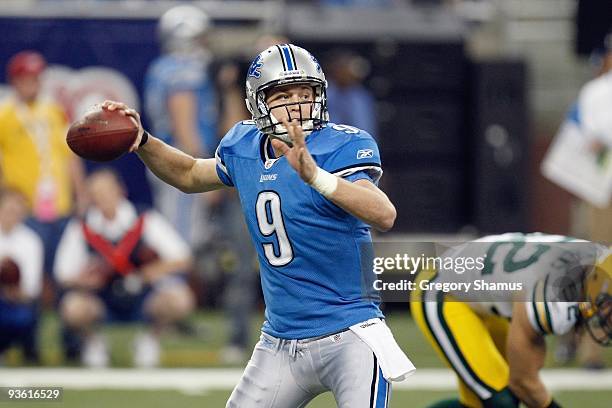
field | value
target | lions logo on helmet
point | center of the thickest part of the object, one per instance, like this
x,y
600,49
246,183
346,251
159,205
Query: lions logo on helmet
x,y
280,65
316,63
254,70
597,310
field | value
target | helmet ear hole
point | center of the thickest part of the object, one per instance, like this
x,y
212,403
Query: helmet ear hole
x,y
262,106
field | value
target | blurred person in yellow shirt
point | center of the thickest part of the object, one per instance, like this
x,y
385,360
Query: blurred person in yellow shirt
x,y
34,157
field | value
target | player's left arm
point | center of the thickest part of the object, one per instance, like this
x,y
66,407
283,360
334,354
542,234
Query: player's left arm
x,y
365,201
526,351
362,198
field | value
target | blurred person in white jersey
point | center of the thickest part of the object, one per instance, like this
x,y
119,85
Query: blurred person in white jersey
x,y
21,276
120,263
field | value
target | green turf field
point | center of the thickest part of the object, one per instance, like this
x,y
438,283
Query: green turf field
x,y
203,350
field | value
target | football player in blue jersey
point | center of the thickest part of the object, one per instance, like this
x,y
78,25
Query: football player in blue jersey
x,y
309,195
181,103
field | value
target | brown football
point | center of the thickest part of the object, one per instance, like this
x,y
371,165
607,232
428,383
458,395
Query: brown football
x,y
102,135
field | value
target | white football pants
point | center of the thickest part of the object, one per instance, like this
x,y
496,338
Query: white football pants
x,y
290,373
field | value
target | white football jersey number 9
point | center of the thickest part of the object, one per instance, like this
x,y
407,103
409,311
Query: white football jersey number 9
x,y
273,223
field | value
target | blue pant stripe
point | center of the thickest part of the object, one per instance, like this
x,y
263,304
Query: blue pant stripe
x,y
383,388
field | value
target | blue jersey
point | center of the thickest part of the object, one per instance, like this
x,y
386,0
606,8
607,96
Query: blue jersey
x,y
170,74
309,249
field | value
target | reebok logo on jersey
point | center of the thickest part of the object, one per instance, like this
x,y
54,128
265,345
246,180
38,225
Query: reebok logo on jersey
x,y
365,153
267,177
365,325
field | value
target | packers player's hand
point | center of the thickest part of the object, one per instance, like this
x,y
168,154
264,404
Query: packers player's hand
x,y
297,155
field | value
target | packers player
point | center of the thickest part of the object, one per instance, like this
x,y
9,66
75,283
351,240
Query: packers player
x,y
494,339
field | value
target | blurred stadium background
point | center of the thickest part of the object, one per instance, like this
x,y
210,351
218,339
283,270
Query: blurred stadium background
x,y
468,96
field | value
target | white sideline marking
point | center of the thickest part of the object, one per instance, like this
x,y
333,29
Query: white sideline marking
x,y
198,380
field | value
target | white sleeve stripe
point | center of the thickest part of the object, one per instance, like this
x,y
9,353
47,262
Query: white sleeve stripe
x,y
377,171
351,170
220,163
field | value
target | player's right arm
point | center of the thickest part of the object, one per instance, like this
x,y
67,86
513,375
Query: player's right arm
x,y
526,350
179,169
171,165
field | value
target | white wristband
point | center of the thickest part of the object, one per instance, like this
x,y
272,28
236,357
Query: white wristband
x,y
324,182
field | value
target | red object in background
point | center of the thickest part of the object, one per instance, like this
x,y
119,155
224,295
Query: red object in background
x,y
118,255
102,135
25,63
9,273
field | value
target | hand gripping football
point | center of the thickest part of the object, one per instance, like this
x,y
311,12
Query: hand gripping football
x,y
102,135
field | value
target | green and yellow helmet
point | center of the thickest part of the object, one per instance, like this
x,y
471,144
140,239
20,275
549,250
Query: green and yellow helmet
x,y
596,310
